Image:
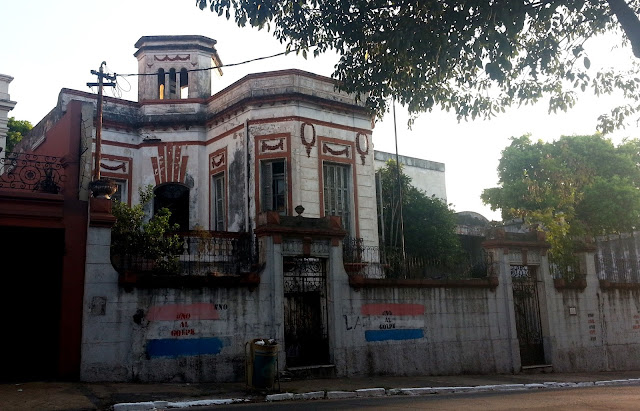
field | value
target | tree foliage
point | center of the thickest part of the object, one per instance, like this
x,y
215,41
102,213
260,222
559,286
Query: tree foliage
x,y
429,224
474,58
17,130
573,186
135,235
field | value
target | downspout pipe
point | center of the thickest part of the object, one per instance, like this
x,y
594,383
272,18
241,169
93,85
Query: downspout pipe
x,y
246,180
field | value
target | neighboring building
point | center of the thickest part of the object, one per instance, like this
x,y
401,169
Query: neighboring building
x,y
6,105
426,175
472,229
43,229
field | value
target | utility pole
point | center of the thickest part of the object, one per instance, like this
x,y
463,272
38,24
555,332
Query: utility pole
x,y
100,84
395,133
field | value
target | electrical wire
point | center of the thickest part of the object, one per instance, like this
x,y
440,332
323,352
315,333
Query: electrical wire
x,y
216,67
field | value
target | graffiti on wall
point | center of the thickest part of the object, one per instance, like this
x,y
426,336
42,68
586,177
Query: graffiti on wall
x,y
182,330
591,321
388,321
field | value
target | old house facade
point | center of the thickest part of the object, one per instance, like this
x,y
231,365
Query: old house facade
x,y
271,181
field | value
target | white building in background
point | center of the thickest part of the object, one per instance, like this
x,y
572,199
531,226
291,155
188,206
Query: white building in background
x,y
6,105
426,175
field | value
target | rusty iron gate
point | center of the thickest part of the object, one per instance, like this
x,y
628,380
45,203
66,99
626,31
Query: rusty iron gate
x,y
305,311
527,311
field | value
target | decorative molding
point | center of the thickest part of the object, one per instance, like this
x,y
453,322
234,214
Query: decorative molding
x,y
362,151
122,166
308,144
218,160
170,165
264,146
336,152
178,57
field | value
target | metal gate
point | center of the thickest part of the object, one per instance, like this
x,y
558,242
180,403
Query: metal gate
x,y
527,310
305,311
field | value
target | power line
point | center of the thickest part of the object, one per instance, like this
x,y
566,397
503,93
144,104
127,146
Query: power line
x,y
215,67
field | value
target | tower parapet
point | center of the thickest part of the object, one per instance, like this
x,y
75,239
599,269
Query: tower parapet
x,y
168,64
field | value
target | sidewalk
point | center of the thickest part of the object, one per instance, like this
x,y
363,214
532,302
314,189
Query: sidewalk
x,y
129,396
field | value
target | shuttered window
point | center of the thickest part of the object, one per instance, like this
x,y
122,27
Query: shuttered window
x,y
218,203
274,186
337,194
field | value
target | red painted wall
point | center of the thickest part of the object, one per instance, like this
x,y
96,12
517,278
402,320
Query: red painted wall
x,y
64,210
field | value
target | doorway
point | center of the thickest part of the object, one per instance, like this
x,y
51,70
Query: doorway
x,y
527,313
31,304
305,311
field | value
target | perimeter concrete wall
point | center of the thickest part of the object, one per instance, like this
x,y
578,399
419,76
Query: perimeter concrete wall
x,y
596,328
187,334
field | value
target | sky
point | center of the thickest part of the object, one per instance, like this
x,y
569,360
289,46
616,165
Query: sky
x,y
50,45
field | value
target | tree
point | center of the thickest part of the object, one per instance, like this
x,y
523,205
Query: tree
x,y
135,237
429,228
474,57
575,186
17,130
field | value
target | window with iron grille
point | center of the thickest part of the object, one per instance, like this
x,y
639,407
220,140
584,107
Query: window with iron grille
x,y
337,193
274,186
218,202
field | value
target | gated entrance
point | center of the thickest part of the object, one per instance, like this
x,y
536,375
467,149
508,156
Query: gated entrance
x,y
527,312
305,311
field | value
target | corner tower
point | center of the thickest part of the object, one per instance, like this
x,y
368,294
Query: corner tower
x,y
168,63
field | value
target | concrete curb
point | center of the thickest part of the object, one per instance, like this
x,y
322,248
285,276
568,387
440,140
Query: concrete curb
x,y
372,392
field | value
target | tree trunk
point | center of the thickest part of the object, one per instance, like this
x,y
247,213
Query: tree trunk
x,y
629,22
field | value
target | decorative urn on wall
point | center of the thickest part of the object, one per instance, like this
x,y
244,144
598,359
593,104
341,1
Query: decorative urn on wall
x,y
103,188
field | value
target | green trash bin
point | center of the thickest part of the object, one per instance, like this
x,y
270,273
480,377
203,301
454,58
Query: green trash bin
x,y
264,363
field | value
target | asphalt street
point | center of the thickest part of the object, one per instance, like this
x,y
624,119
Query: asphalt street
x,y
588,398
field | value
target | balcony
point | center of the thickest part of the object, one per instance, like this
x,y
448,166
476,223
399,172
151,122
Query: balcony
x,y
369,266
31,172
618,272
566,272
202,259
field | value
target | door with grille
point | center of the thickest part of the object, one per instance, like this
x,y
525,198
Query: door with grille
x,y
527,312
305,311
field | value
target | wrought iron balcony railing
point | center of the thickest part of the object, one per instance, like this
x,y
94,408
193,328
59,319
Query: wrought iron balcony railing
x,y
33,172
202,253
388,263
618,269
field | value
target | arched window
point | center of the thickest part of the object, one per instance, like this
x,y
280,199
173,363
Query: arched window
x,y
184,83
161,84
172,84
175,197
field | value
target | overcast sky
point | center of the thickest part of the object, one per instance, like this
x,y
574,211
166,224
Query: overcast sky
x,y
49,45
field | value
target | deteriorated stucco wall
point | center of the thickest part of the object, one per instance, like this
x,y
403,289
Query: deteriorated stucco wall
x,y
136,334
429,331
594,329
